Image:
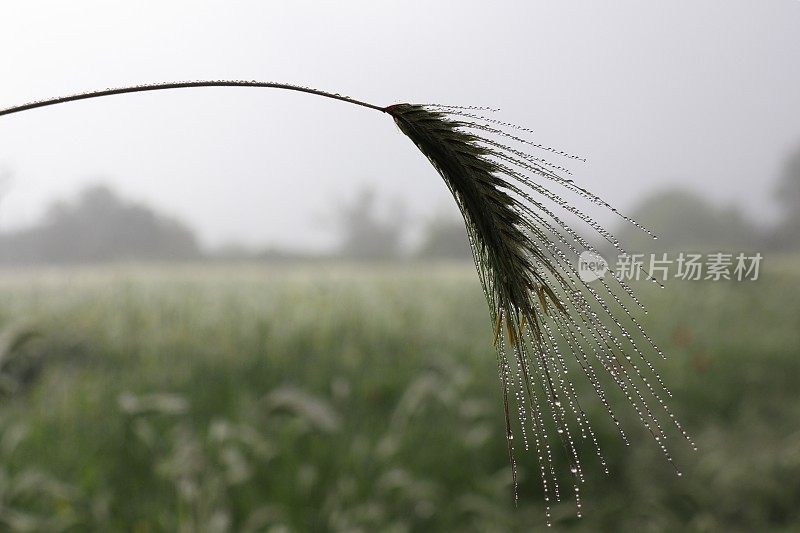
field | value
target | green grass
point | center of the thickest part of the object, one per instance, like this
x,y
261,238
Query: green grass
x,y
365,399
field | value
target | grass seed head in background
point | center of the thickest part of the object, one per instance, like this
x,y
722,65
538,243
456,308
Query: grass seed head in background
x,y
525,253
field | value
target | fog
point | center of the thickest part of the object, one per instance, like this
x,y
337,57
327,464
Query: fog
x,y
700,95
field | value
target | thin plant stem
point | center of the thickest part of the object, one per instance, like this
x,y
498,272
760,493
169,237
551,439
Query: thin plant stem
x,y
186,85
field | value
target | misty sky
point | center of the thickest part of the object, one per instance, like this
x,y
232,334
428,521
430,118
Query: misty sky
x,y
698,94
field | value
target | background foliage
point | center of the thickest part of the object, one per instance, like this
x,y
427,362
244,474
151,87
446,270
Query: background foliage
x,y
361,399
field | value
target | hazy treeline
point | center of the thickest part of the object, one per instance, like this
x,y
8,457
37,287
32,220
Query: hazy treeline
x,y
686,221
99,226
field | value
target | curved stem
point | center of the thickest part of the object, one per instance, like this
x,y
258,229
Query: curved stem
x,y
185,85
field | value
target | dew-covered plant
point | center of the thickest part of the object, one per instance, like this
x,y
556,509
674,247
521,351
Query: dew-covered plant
x,y
525,229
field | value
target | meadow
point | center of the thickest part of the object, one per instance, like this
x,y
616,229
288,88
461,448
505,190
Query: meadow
x,y
353,398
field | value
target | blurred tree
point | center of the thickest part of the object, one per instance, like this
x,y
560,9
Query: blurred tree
x,y
445,237
682,220
99,227
365,234
787,235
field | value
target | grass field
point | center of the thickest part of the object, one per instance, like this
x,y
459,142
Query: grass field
x,y
334,398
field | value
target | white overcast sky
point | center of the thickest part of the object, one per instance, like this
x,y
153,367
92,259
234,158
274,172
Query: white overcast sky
x,y
701,94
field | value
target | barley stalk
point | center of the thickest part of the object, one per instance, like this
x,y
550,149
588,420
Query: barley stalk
x,y
511,202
